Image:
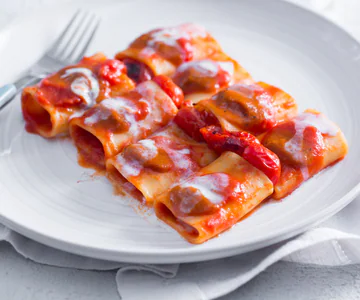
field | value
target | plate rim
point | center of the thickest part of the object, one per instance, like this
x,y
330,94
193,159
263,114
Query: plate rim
x,y
182,255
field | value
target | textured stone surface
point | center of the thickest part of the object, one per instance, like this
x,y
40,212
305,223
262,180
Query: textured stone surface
x,y
21,279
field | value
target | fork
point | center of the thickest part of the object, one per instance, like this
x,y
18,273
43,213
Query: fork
x,y
67,49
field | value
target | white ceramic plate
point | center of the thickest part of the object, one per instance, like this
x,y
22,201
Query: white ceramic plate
x,y
46,196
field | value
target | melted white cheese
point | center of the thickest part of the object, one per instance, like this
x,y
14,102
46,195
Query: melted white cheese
x,y
128,168
132,167
119,104
80,85
264,99
165,132
169,36
318,121
148,89
181,158
126,109
206,67
150,150
245,90
96,117
151,94
147,52
295,145
228,67
77,114
211,186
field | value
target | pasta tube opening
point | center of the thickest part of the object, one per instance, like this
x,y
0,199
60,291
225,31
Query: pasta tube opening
x,y
36,116
90,148
120,183
165,214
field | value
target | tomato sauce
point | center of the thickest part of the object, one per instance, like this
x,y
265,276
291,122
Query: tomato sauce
x,y
171,89
248,107
301,149
204,76
57,89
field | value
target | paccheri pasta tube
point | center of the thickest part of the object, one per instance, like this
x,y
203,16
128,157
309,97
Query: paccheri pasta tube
x,y
305,145
254,108
161,51
201,79
48,106
152,165
214,199
104,130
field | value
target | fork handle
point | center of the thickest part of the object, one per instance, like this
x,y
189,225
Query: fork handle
x,y
7,93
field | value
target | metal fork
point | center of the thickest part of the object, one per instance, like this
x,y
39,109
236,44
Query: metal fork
x,y
67,49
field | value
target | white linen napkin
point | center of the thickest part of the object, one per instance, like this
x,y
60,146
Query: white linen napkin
x,y
335,243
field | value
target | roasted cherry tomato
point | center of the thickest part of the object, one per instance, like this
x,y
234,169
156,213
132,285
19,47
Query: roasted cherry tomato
x,y
209,118
263,159
111,71
221,141
170,88
245,145
189,119
137,71
192,120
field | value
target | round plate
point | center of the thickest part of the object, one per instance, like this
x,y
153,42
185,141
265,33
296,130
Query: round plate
x,y
46,196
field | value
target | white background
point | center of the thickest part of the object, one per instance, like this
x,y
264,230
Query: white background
x,y
23,279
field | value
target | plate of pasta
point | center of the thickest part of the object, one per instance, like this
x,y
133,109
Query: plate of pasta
x,y
206,131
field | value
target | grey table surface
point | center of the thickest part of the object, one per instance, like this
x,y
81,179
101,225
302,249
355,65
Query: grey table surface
x,y
23,279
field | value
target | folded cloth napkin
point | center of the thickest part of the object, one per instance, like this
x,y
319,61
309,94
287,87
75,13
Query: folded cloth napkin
x,y
335,243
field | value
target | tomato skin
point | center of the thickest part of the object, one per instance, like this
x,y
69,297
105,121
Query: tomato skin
x,y
137,71
189,119
209,118
245,145
263,159
192,120
171,89
59,96
221,141
111,71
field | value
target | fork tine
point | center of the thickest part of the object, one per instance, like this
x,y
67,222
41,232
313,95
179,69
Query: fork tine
x,y
58,42
63,47
85,41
